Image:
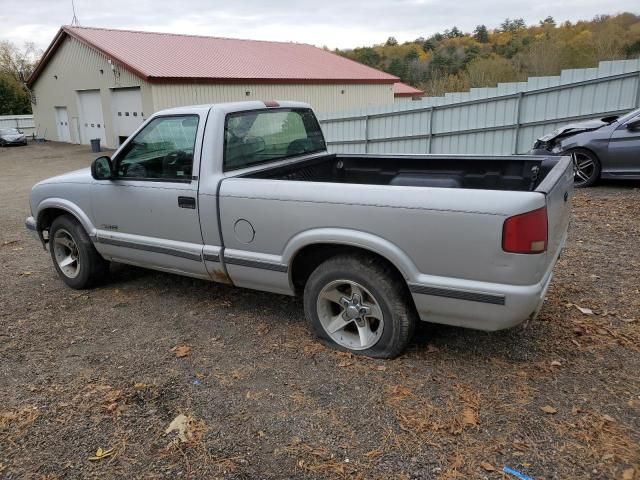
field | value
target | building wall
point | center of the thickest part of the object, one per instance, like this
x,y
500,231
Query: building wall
x,y
77,67
323,98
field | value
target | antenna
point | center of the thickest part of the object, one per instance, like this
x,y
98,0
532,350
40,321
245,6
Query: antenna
x,y
74,21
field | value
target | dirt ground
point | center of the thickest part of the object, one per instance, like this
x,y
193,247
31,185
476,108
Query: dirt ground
x,y
112,367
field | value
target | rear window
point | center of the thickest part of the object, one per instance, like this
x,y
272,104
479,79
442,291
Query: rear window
x,y
260,136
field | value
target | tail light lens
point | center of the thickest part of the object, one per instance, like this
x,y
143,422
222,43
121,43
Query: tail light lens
x,y
525,233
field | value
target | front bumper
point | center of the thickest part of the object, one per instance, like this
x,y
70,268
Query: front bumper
x,y
32,226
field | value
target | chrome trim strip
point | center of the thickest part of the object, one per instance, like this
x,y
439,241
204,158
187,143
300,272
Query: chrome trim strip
x,y
211,257
150,248
493,298
276,267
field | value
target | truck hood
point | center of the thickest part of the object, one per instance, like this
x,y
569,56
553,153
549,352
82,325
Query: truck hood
x,y
77,176
578,127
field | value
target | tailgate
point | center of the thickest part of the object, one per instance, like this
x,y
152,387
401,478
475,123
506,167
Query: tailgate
x,y
557,187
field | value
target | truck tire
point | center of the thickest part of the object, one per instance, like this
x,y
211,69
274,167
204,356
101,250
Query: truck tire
x,y
74,256
587,167
359,304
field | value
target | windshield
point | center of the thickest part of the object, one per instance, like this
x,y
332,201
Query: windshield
x,y
9,131
259,136
629,115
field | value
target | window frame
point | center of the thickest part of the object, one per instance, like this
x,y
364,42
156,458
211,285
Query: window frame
x,y
118,158
230,115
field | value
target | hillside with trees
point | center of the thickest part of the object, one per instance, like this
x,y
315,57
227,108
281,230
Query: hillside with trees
x,y
454,61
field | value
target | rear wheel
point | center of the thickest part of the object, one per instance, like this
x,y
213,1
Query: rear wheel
x,y
360,305
586,167
74,256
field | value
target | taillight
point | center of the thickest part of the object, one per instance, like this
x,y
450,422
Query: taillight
x,y
525,233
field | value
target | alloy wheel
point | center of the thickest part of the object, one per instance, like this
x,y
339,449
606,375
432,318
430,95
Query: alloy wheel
x,y
66,253
350,314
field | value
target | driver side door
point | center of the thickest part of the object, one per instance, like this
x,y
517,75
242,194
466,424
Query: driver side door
x,y
148,214
624,148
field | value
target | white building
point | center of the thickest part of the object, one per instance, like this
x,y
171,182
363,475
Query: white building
x,y
101,83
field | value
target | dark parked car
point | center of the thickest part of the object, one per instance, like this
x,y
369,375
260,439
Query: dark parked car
x,y
605,148
11,136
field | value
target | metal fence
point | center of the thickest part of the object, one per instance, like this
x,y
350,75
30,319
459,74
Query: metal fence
x,y
502,120
24,123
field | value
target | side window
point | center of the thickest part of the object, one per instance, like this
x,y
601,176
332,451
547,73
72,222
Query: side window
x,y
254,137
162,150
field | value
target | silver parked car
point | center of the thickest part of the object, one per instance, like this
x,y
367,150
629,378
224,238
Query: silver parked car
x,y
247,194
608,147
11,136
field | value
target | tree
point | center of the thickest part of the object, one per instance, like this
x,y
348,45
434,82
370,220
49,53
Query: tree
x,y
481,34
453,33
16,65
391,42
13,98
512,26
548,22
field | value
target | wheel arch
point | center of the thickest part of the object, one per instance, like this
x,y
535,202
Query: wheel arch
x,y
51,209
309,249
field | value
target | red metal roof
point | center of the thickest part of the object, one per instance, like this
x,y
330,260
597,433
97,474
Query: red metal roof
x,y
403,90
164,57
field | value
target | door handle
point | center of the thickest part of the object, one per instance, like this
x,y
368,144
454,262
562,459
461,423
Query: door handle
x,y
187,202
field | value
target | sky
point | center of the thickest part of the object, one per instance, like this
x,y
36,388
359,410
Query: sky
x,y
331,23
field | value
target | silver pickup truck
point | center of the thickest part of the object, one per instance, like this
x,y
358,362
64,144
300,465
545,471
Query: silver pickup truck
x,y
247,194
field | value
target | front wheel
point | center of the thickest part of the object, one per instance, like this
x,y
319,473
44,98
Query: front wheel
x,y
360,305
586,167
74,256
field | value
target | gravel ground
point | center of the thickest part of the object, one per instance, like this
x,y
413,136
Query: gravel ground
x,y
112,367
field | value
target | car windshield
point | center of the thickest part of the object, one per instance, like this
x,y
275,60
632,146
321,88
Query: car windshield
x,y
9,131
629,115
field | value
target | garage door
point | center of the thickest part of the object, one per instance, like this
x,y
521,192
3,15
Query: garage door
x,y
126,104
91,118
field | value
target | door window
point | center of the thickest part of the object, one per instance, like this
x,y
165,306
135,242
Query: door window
x,y
162,150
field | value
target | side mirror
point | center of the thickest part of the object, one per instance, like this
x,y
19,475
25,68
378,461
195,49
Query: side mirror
x,y
634,124
102,169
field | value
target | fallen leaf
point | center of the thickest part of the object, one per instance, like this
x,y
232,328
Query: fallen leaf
x,y
549,409
469,417
100,454
345,364
584,310
381,368
608,418
181,351
488,467
628,474
628,320
556,363
180,424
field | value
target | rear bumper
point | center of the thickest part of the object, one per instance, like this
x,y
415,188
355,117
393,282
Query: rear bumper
x,y
478,305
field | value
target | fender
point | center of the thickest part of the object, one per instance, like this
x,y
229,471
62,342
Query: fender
x,y
352,238
69,207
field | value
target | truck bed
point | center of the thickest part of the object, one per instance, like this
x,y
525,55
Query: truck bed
x,y
514,173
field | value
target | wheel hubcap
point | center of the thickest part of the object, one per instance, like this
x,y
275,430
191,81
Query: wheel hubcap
x,y
66,253
350,315
584,168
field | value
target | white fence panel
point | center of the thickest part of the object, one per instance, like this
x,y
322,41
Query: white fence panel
x,y
501,120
